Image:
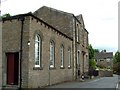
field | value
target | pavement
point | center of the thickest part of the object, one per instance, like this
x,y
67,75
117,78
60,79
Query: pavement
x,y
74,84
97,82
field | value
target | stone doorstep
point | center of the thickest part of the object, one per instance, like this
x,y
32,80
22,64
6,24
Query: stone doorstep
x,y
10,87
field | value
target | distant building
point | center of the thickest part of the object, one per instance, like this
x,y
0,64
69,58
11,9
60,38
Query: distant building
x,y
43,48
104,59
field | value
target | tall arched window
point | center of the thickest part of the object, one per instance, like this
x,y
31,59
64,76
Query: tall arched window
x,y
78,57
62,55
77,33
69,57
37,50
52,53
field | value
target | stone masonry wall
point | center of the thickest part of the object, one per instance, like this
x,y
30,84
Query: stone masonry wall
x,y
11,43
58,19
46,76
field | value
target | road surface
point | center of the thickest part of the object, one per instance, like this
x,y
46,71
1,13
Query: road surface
x,y
99,83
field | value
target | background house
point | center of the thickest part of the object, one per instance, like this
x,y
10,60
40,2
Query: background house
x,y
104,59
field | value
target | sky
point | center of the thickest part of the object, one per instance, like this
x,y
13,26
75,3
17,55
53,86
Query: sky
x,y
100,17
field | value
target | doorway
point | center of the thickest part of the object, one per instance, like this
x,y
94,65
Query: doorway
x,y
12,68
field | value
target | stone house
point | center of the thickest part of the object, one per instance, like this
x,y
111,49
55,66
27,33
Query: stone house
x,y
104,59
74,27
36,53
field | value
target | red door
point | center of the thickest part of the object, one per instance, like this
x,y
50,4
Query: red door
x,y
12,68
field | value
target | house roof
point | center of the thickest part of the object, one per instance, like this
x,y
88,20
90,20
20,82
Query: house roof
x,y
80,19
56,10
103,55
59,19
30,14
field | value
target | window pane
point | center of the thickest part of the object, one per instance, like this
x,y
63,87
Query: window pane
x,y
51,54
37,50
61,55
69,57
36,62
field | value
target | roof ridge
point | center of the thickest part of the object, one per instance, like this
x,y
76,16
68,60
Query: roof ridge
x,y
58,10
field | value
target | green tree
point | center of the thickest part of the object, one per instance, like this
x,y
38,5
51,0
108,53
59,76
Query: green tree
x,y
116,64
7,15
96,50
92,64
91,52
116,57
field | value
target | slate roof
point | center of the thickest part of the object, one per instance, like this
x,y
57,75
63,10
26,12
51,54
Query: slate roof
x,y
103,55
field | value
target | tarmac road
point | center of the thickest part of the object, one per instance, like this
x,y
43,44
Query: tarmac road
x,y
103,83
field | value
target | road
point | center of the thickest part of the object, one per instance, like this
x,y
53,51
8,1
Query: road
x,y
103,82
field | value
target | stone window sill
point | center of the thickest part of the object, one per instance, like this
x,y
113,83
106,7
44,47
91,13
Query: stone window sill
x,y
69,67
37,68
62,67
52,68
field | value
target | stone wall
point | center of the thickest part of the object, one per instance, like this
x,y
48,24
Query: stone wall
x,y
11,37
10,42
58,19
37,77
45,75
68,24
105,73
105,63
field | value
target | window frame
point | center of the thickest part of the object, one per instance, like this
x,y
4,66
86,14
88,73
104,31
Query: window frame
x,y
77,33
78,57
53,54
38,52
69,57
62,56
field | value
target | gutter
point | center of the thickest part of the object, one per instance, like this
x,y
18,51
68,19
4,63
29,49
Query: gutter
x,y
21,49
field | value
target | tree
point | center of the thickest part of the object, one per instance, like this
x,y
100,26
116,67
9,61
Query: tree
x,y
116,57
7,15
92,63
116,64
96,50
91,52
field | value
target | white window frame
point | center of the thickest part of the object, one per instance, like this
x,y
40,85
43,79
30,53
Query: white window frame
x,y
69,57
62,56
52,53
37,50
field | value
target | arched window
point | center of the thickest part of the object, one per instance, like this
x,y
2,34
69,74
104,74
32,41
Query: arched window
x,y
62,55
52,53
69,57
37,50
77,33
78,57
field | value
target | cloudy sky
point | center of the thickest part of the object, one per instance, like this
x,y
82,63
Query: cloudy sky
x,y
100,16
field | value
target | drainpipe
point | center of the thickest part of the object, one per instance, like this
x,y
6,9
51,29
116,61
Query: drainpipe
x,y
74,49
21,40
